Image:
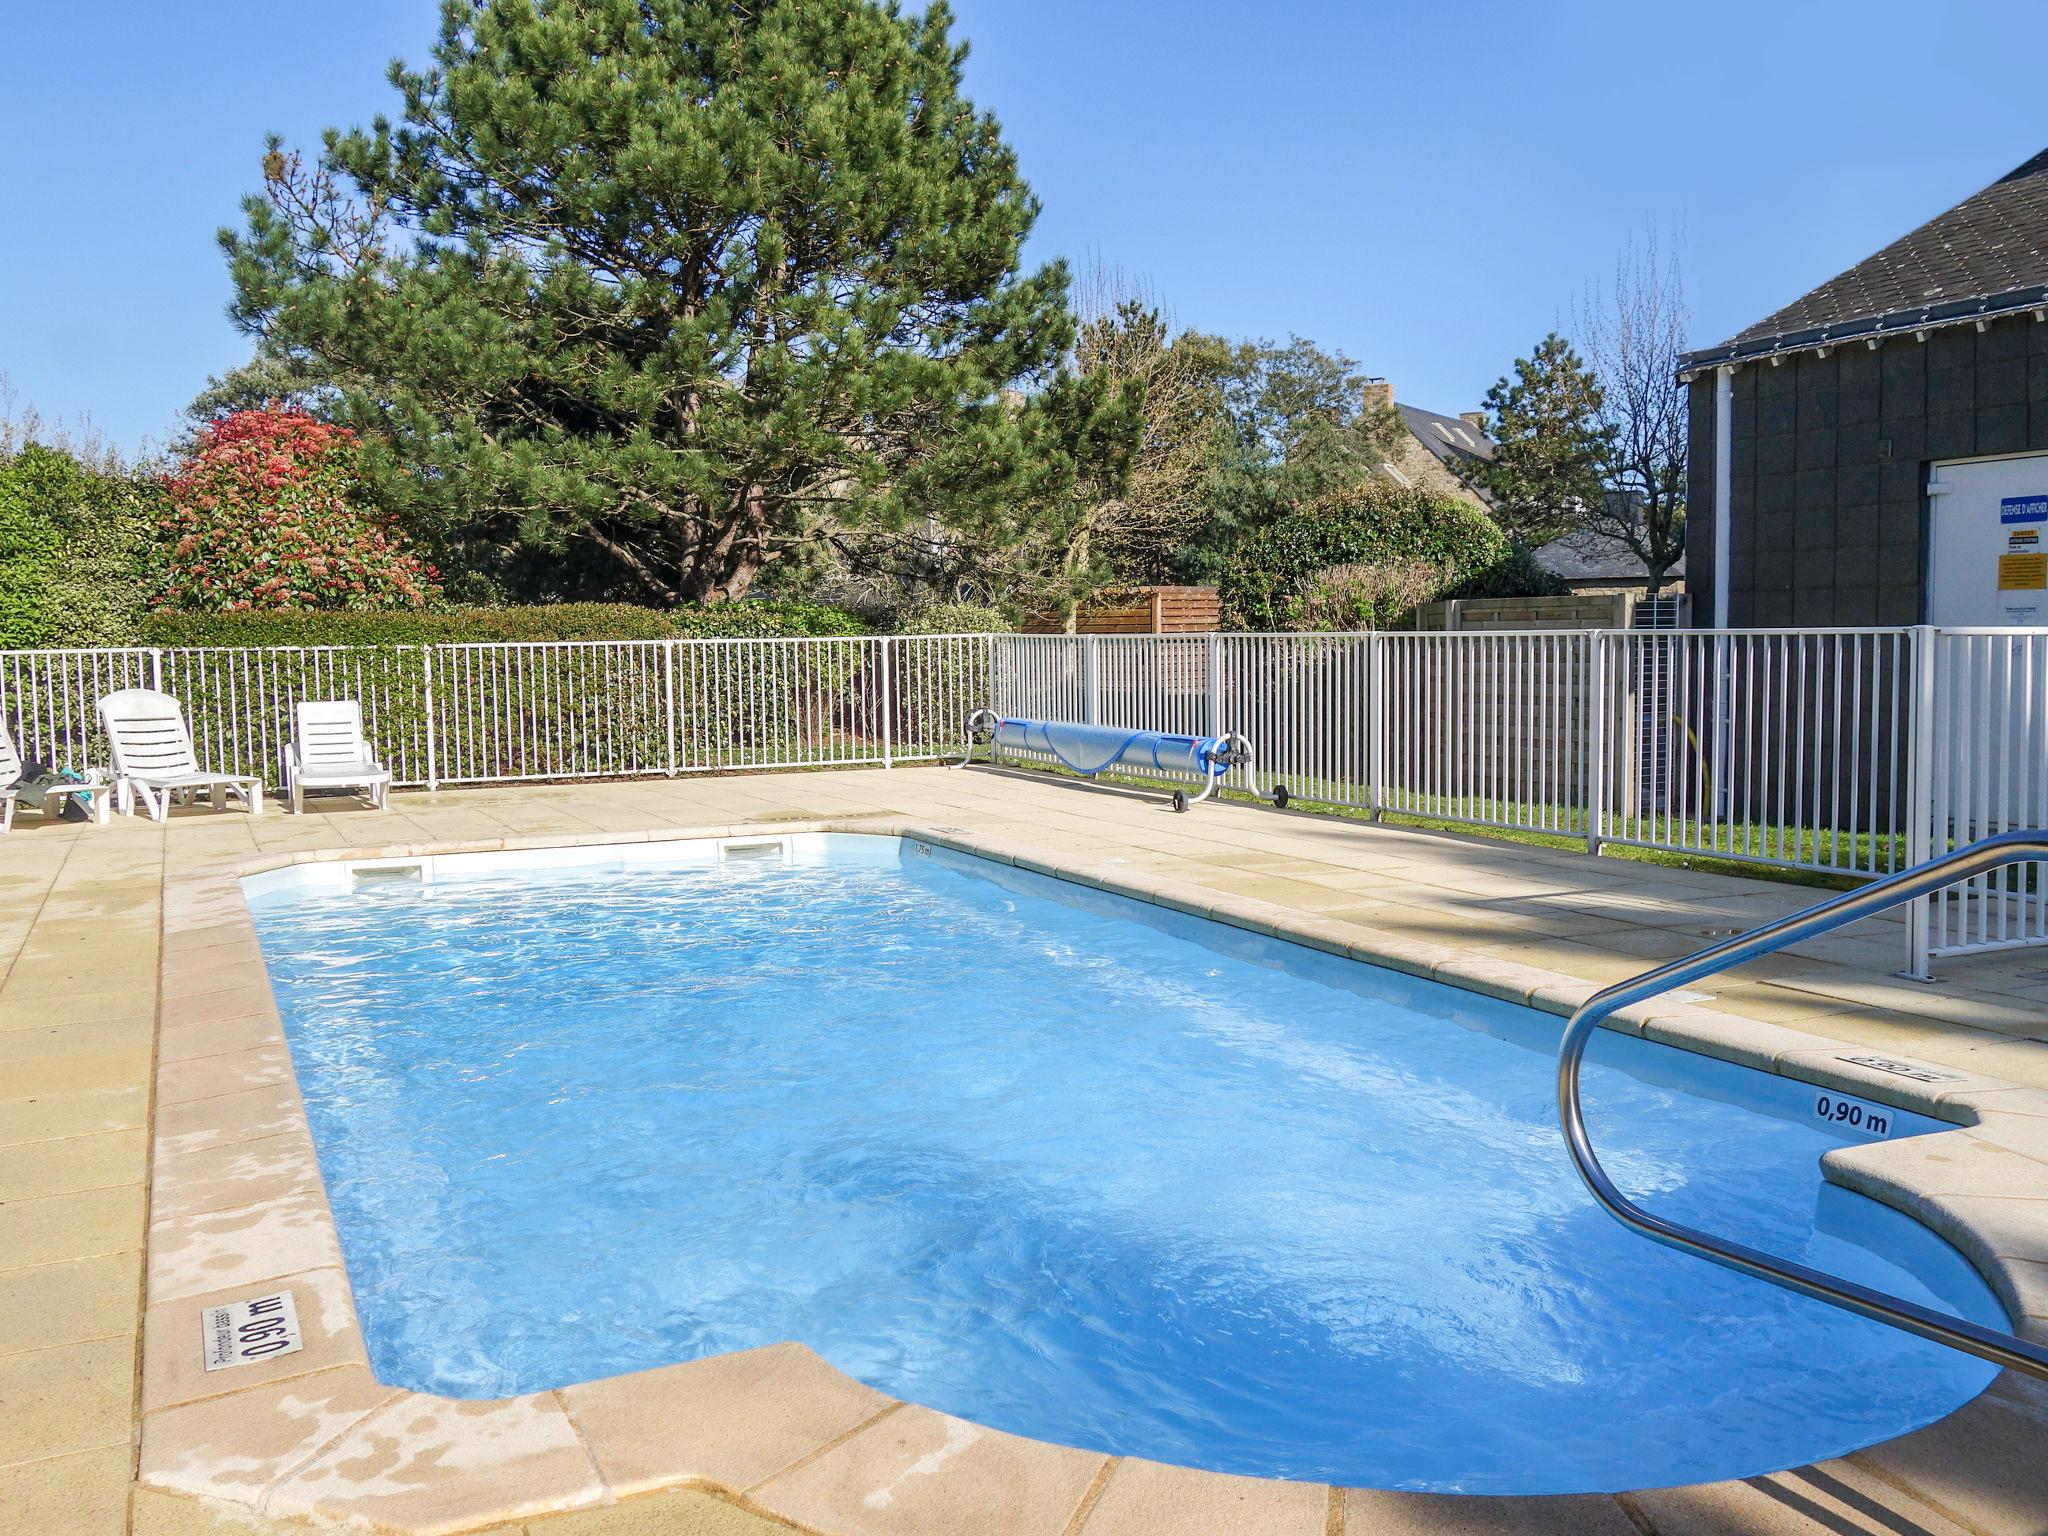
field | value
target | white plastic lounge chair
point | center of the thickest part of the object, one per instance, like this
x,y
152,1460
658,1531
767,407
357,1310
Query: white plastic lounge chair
x,y
153,756
328,751
93,790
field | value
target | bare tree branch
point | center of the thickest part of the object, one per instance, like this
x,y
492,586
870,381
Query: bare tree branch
x,y
1633,336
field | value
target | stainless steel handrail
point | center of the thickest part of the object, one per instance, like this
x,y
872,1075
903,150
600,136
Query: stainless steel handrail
x,y
1879,896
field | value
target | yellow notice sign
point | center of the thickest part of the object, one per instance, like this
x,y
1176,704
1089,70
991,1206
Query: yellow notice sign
x,y
2023,573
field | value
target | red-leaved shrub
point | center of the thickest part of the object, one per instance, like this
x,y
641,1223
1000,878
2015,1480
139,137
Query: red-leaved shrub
x,y
266,512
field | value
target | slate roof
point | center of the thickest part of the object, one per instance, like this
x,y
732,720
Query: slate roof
x,y
1587,555
1986,255
1454,441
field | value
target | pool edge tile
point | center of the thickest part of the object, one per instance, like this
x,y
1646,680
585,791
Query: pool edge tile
x,y
242,1247
1981,1465
238,1445
735,1420
1145,1498
1831,1497
1381,1512
431,1465
917,1471
172,1372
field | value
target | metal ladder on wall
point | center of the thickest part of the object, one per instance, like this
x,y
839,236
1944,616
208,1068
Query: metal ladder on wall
x,y
1978,858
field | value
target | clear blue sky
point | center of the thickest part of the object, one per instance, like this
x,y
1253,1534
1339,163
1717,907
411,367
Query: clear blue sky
x,y
1425,187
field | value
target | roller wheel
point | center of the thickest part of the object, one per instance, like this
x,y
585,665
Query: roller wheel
x,y
1180,801
1281,797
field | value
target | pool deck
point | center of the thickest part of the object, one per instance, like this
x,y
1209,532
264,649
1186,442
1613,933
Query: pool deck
x,y
153,1159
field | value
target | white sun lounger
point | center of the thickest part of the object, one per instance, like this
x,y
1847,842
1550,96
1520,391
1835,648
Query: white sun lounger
x,y
328,751
153,756
95,790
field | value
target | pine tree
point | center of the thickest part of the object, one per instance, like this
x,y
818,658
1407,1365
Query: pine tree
x,y
1545,474
638,293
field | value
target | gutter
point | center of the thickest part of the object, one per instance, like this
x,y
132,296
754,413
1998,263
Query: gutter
x,y
1871,329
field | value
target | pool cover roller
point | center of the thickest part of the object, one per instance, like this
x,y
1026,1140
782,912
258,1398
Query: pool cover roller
x,y
1092,749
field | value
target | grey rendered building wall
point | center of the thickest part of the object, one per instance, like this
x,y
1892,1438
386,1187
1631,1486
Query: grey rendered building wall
x,y
1829,459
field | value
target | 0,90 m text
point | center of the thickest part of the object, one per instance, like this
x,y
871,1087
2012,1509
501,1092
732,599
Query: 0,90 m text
x,y
1837,1110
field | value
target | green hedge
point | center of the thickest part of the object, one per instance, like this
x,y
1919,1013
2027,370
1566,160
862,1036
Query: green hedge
x,y
1521,574
74,551
1372,524
553,621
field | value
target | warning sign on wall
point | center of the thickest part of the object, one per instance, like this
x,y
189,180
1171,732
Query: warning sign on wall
x,y
2023,568
2023,573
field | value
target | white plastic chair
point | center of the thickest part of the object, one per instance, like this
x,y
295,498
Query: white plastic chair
x,y
99,802
153,756
327,751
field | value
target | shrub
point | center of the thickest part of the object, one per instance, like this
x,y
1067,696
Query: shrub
x,y
748,620
1373,525
954,619
1366,596
1518,574
550,621
268,512
74,547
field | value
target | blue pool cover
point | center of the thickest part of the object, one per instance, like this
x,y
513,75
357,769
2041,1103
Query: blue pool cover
x,y
1093,749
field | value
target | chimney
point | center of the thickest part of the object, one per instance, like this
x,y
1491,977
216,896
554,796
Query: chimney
x,y
1379,392
1476,420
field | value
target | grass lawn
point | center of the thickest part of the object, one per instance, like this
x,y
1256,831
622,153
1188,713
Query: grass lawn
x,y
1473,815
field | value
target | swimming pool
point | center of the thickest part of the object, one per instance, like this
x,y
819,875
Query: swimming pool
x,y
1065,1164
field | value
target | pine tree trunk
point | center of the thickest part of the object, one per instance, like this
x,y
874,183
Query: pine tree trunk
x,y
723,569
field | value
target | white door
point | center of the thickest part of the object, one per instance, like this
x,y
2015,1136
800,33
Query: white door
x,y
1987,571
1987,561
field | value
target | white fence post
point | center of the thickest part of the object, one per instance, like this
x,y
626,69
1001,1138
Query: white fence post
x,y
1376,724
887,645
156,670
1213,676
433,756
668,678
1920,817
1596,740
1091,680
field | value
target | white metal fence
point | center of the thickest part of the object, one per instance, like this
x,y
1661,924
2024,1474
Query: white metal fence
x,y
1983,760
498,713
1842,751
1852,751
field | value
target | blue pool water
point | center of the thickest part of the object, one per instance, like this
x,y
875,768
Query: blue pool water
x,y
1062,1164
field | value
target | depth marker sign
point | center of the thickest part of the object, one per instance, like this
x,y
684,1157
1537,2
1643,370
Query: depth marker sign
x,y
243,1332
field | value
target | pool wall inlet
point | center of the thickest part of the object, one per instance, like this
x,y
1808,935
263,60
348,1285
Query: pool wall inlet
x,y
239,1214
